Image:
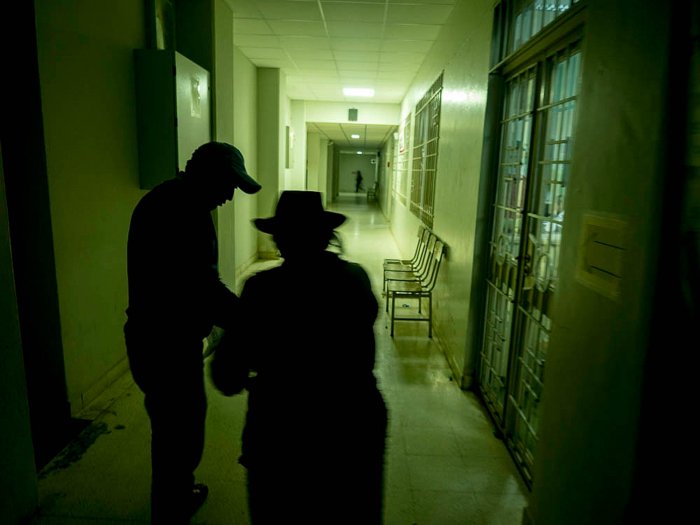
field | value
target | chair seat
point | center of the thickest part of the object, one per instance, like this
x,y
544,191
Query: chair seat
x,y
400,275
398,265
412,287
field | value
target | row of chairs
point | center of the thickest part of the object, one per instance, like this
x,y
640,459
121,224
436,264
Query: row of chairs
x,y
414,278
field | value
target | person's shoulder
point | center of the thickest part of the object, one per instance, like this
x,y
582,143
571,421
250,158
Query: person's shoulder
x,y
263,276
351,268
167,194
174,187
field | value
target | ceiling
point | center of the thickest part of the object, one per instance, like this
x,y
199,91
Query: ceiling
x,y
371,136
323,46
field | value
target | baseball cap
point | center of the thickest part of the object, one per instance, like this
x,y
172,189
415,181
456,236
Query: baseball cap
x,y
221,157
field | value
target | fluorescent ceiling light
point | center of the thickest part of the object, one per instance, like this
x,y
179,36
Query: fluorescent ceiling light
x,y
359,153
354,136
358,92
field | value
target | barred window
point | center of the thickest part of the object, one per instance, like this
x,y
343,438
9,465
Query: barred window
x,y
402,157
426,134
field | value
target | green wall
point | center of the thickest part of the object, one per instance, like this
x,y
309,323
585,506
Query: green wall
x,y
87,89
245,131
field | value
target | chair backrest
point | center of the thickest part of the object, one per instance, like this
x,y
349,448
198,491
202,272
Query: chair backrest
x,y
420,242
423,264
436,256
423,245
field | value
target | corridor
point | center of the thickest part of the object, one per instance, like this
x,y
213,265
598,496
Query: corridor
x,y
444,466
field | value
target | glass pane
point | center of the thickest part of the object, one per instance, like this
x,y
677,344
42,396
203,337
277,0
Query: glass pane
x,y
529,18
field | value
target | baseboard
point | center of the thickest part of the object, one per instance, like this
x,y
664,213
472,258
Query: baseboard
x,y
457,375
95,399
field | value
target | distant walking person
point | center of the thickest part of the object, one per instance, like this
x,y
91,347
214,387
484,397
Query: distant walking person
x,y
314,437
358,181
175,299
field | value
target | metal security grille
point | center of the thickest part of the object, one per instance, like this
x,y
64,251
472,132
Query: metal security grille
x,y
425,150
545,222
506,238
534,159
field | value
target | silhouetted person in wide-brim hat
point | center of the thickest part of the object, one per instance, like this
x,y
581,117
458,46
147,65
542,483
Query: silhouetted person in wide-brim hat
x,y
314,438
300,226
175,299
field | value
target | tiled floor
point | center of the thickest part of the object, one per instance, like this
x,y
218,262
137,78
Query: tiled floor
x,y
444,465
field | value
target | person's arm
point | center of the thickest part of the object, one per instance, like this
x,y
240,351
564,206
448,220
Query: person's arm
x,y
232,363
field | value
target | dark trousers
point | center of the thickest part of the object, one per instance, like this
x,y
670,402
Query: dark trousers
x,y
176,404
291,492
177,443
340,481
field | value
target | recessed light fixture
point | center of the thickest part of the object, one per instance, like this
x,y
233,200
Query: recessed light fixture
x,y
358,92
359,153
355,136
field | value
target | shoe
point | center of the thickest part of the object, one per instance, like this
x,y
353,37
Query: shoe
x,y
199,495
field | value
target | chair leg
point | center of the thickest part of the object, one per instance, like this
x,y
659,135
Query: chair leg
x,y
393,311
430,315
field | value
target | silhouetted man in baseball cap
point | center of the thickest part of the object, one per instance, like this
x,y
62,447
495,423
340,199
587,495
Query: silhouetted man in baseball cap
x,y
176,297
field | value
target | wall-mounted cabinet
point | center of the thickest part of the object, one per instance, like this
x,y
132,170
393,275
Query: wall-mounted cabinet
x,y
173,112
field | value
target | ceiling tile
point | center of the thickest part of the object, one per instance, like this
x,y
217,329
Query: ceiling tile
x,y
409,59
354,29
411,31
358,79
319,65
356,56
410,13
407,46
251,26
244,8
353,12
295,27
289,10
313,54
280,63
357,66
350,44
317,74
264,52
304,42
256,41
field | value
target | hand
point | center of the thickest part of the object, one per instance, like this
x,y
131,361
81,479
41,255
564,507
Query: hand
x,y
213,340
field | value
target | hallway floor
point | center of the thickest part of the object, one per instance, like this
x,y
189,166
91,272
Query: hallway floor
x,y
444,465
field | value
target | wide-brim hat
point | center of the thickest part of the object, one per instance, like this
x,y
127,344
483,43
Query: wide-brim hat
x,y
300,210
221,158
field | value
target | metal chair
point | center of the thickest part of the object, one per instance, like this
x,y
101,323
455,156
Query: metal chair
x,y
372,192
415,263
419,273
421,289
